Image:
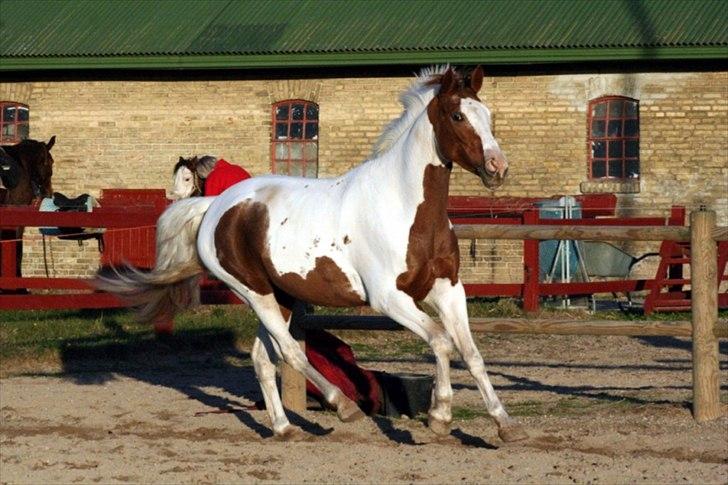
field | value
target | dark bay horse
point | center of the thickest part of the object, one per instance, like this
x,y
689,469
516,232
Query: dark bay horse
x,y
377,235
35,170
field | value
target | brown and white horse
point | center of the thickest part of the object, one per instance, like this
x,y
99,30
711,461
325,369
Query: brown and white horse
x,y
378,235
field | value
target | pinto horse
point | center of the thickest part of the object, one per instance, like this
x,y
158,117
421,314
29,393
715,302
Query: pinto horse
x,y
35,169
378,235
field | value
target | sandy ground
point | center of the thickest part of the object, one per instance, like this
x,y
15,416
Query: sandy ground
x,y
608,410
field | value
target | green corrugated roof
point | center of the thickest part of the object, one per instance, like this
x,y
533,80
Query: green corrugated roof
x,y
250,33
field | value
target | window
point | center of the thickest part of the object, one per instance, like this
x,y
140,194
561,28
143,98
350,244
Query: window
x,y
294,141
614,138
13,122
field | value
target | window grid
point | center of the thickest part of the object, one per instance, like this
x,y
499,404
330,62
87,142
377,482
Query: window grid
x,y
294,138
613,138
14,122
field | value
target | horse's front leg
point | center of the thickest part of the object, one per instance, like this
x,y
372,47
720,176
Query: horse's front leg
x,y
449,301
402,309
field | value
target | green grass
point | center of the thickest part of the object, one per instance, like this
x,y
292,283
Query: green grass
x,y
56,336
568,406
47,336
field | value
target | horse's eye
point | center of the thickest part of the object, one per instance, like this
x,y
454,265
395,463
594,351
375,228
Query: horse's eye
x,y
458,116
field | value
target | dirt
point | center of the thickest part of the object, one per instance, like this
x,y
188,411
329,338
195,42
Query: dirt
x,y
598,410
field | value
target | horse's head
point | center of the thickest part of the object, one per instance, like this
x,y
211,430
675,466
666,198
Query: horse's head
x,y
36,157
185,182
462,128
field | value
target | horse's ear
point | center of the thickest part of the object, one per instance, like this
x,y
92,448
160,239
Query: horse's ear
x,y
181,160
448,84
51,142
476,79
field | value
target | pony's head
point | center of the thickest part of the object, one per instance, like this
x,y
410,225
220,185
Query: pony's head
x,y
462,127
185,181
189,176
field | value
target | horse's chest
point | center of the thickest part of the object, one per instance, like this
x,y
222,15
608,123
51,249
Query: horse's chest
x,y
432,247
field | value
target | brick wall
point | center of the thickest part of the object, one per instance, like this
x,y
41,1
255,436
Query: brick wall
x,y
128,134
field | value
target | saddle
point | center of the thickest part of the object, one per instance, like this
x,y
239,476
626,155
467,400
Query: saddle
x,y
78,204
9,171
62,203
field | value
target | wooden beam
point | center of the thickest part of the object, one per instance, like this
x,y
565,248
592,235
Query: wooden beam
x,y
676,328
572,232
704,284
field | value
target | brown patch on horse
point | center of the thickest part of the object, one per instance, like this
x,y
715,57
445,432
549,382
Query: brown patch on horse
x,y
240,240
432,250
326,284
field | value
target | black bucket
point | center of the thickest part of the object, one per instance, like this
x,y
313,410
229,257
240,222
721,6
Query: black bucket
x,y
404,394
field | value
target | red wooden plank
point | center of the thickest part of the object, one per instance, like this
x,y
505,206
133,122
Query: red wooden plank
x,y
12,283
531,270
101,217
59,302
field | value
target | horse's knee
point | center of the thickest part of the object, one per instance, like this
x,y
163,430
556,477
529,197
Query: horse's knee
x,y
441,343
475,364
294,356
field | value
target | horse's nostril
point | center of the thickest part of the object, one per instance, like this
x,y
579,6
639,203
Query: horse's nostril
x,y
490,166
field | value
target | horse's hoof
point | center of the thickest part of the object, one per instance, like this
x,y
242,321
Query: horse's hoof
x,y
439,426
513,432
290,433
348,411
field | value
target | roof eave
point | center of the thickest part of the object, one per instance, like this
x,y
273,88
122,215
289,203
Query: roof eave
x,y
293,60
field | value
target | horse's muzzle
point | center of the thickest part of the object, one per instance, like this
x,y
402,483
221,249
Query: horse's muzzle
x,y
492,180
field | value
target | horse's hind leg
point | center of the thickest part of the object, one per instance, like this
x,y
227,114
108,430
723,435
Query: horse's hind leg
x,y
449,301
265,370
267,309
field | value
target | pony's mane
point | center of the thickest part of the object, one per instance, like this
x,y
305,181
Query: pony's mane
x,y
414,100
204,164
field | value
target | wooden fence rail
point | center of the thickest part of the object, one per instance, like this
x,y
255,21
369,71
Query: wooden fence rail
x,y
704,329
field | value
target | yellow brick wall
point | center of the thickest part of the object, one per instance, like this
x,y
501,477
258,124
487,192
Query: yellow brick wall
x,y
129,133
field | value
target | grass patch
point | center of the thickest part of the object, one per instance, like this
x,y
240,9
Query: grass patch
x,y
42,338
569,406
55,337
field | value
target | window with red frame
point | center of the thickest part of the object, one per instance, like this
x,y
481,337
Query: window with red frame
x,y
13,122
614,138
294,141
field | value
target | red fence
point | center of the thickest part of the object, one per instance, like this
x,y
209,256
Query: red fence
x,y
129,217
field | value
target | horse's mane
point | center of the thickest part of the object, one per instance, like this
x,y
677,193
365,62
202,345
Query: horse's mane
x,y
202,165
414,100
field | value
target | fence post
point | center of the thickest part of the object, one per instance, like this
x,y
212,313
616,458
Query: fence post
x,y
531,271
293,383
704,278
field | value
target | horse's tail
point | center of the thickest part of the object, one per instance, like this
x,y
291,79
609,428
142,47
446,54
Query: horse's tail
x,y
174,283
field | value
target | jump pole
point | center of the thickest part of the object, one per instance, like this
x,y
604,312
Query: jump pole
x,y
704,286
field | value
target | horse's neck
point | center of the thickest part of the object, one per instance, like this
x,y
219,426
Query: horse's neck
x,y
414,171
